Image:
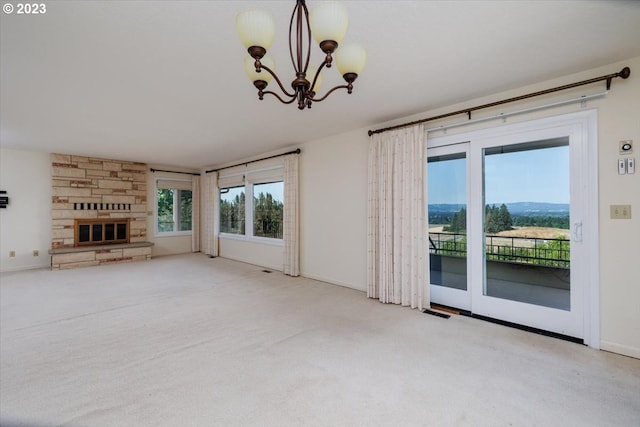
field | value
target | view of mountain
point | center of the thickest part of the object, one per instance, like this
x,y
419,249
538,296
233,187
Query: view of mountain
x,y
518,208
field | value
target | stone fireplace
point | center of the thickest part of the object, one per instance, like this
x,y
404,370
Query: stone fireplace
x,y
98,211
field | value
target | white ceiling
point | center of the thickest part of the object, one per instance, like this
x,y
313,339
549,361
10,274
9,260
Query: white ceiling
x,y
162,81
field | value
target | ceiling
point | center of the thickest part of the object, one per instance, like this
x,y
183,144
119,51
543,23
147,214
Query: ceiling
x,y
162,82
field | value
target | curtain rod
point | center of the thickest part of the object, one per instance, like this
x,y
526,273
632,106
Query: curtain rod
x,y
624,73
162,170
296,151
582,98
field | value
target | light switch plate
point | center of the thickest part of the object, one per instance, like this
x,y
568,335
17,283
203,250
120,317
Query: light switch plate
x,y
622,166
631,165
620,211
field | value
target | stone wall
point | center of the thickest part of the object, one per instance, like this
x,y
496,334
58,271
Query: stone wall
x,y
92,188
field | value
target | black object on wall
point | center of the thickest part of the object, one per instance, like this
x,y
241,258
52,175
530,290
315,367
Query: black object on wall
x,y
4,200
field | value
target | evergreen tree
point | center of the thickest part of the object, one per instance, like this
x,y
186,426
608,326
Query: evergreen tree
x,y
504,218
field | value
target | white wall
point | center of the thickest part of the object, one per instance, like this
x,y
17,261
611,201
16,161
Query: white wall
x,y
253,252
334,200
333,209
25,225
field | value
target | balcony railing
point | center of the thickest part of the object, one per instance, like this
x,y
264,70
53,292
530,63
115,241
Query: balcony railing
x,y
522,250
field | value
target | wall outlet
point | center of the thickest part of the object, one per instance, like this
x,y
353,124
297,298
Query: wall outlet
x,y
12,254
36,252
620,211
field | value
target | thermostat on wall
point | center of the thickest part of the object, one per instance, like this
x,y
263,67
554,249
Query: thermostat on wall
x,y
626,146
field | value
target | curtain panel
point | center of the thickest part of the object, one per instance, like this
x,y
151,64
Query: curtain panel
x,y
195,209
398,258
291,227
210,202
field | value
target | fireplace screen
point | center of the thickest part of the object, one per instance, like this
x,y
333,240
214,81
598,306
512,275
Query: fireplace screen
x,y
101,232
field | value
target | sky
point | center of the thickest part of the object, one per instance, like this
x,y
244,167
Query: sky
x,y
523,176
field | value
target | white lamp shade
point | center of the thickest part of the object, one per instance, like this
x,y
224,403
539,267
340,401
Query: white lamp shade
x,y
249,67
311,73
255,28
329,21
350,58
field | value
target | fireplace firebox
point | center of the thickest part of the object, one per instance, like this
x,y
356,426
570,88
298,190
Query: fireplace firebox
x,y
90,232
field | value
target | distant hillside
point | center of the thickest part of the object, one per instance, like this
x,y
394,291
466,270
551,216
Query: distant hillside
x,y
445,208
515,209
538,208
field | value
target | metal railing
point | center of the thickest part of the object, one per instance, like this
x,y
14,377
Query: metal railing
x,y
524,250
261,227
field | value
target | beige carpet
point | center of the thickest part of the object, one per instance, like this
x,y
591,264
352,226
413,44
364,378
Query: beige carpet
x,y
193,341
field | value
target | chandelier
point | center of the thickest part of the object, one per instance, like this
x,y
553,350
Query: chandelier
x,y
328,22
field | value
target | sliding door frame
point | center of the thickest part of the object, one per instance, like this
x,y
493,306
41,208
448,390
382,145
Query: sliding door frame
x,y
586,124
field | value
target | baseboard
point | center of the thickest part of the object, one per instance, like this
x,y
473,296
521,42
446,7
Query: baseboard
x,y
24,268
265,265
331,281
624,350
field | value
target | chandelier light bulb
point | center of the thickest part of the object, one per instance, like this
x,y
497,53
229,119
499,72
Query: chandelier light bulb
x,y
351,58
255,28
329,21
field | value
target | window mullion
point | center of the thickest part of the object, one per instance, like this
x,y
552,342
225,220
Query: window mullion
x,y
248,209
176,210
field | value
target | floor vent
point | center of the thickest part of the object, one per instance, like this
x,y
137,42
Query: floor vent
x,y
436,313
266,271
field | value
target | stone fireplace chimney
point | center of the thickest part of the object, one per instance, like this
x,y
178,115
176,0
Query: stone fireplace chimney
x,y
107,193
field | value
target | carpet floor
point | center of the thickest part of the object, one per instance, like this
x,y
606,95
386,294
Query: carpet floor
x,y
192,341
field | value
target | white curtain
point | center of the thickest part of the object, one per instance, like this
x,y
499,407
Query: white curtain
x,y
398,257
195,213
209,235
291,239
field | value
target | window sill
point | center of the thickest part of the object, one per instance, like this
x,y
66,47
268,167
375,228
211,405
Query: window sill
x,y
174,234
251,239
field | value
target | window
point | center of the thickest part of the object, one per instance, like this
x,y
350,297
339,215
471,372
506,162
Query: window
x,y
252,204
232,215
174,202
268,209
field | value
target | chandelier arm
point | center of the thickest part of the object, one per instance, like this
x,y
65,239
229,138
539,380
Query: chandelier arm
x,y
306,15
278,96
295,16
290,95
348,87
315,78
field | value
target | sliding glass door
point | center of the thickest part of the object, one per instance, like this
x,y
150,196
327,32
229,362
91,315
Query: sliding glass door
x,y
511,223
447,213
526,223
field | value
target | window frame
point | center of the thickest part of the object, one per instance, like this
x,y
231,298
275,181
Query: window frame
x,y
240,236
176,214
251,178
259,182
